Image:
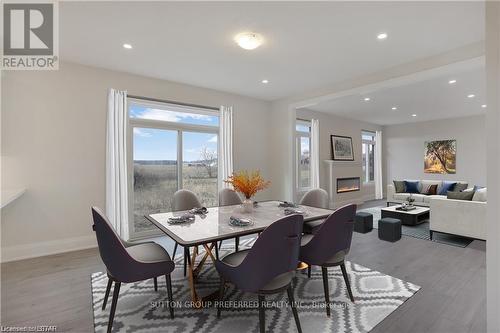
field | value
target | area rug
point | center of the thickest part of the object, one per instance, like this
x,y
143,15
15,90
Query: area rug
x,y
141,309
421,231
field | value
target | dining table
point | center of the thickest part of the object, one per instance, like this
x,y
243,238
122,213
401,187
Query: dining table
x,y
206,230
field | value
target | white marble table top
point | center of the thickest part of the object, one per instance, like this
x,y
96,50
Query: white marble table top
x,y
215,225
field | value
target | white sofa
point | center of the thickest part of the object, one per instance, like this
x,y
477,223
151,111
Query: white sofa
x,y
457,217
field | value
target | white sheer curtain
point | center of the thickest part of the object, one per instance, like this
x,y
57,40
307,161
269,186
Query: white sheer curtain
x,y
314,155
116,162
226,145
378,166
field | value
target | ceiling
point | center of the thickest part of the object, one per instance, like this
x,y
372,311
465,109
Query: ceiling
x,y
429,99
307,45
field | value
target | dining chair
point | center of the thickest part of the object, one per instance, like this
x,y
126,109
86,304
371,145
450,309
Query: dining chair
x,y
184,200
329,245
129,264
316,197
229,197
266,268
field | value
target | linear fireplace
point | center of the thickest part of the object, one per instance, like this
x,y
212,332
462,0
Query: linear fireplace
x,y
348,184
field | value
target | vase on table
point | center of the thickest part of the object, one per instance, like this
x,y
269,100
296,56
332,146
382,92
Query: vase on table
x,y
247,205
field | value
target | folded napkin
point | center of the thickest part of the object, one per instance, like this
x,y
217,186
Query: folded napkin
x,y
239,221
289,211
287,204
199,210
186,217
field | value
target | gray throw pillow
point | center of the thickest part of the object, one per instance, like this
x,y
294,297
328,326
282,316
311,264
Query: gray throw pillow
x,y
399,185
460,195
459,187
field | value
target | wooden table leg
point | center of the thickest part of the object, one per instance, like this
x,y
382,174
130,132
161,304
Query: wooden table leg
x,y
194,270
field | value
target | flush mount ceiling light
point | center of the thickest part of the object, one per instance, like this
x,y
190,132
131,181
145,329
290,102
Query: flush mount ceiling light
x,y
471,96
265,81
367,99
484,105
382,36
452,81
394,108
413,115
248,40
127,46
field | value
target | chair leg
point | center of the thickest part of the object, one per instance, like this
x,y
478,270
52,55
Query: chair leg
x,y
175,250
309,271
186,255
221,296
236,244
294,308
116,291
220,245
347,283
106,295
262,314
216,252
324,270
155,281
170,298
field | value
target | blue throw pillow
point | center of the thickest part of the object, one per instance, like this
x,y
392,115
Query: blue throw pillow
x,y
447,186
411,187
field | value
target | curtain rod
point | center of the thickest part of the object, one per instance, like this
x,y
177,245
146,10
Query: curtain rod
x,y
174,102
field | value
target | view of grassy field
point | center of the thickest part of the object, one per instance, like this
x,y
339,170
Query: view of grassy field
x,y
155,183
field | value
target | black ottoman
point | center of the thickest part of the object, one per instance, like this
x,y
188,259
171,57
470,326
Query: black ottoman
x,y
363,222
389,229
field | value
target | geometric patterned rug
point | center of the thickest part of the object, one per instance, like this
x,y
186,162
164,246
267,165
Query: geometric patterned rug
x,y
141,309
421,231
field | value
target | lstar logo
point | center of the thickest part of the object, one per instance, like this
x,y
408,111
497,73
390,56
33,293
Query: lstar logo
x,y
30,36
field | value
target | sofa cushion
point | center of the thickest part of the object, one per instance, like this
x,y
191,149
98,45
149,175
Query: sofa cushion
x,y
459,187
401,196
425,184
412,187
399,186
418,197
477,187
460,195
480,195
427,198
446,186
429,189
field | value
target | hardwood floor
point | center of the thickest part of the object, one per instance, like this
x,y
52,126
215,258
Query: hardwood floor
x,y
55,290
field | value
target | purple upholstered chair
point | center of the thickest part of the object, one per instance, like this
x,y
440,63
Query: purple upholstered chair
x,y
129,264
268,267
329,246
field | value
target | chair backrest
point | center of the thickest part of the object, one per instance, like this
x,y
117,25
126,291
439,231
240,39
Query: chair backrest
x,y
229,197
316,197
185,200
276,251
112,251
333,236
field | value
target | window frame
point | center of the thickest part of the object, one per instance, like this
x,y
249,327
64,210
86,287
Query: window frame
x,y
180,128
298,136
367,142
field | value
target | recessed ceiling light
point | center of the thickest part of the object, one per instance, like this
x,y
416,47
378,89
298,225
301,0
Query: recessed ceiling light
x,y
484,105
382,35
471,96
265,81
367,99
452,81
413,115
127,46
394,108
248,40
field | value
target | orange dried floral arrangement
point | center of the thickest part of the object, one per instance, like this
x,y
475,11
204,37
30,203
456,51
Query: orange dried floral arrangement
x,y
247,183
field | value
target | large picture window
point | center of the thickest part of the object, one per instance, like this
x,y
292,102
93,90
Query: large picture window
x,y
303,149
368,149
172,147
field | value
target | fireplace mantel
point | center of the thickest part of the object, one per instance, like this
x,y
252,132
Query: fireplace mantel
x,y
343,169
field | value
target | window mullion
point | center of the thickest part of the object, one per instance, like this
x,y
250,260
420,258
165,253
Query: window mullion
x,y
180,162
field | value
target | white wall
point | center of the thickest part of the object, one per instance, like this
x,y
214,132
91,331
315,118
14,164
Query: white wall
x,y
53,142
330,124
403,149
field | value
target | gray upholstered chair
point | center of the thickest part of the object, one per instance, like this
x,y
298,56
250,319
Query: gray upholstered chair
x,y
316,197
184,200
268,267
129,264
229,197
329,246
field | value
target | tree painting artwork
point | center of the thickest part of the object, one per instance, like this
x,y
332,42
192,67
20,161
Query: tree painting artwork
x,y
440,156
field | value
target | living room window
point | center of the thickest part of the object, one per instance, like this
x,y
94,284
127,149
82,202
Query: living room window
x,y
303,148
368,150
172,147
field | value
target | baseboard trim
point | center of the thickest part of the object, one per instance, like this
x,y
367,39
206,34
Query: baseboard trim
x,y
40,249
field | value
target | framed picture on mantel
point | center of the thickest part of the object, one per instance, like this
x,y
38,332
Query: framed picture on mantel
x,y
341,148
